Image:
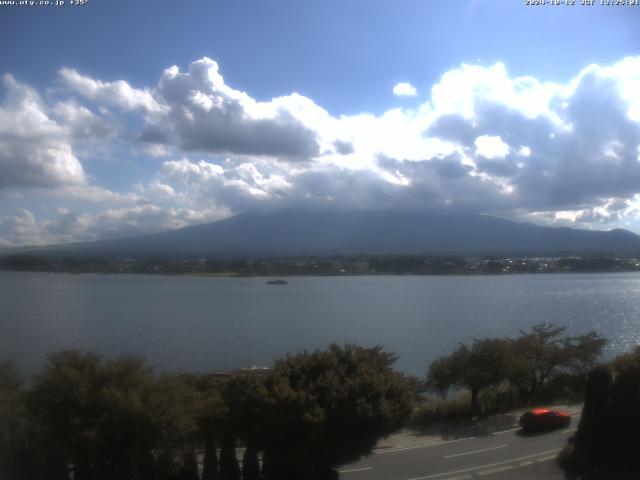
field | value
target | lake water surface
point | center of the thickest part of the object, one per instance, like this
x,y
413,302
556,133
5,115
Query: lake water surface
x,y
207,323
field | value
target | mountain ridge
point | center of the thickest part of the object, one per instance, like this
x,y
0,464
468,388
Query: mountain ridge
x,y
327,232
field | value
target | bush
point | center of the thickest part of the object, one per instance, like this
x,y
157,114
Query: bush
x,y
432,411
436,411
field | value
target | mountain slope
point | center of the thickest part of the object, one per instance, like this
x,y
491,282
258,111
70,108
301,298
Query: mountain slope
x,y
296,232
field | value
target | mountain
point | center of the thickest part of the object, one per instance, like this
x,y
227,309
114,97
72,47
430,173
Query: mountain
x,y
297,232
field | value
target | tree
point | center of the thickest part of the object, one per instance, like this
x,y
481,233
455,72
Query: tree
x,y
482,365
583,352
330,407
13,424
246,397
111,419
61,406
173,405
543,351
211,414
627,361
605,444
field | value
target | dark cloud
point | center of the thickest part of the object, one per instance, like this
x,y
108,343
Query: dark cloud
x,y
453,127
230,132
207,115
343,148
154,134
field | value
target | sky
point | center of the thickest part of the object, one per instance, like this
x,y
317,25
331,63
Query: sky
x,y
120,118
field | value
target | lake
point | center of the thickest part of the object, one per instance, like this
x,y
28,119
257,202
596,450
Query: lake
x,y
210,323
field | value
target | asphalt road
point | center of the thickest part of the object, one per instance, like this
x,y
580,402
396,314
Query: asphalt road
x,y
508,454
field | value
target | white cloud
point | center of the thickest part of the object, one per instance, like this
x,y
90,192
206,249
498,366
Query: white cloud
x,y
114,223
404,89
187,172
94,194
152,149
464,90
20,229
64,226
119,93
524,151
35,151
491,146
81,122
245,184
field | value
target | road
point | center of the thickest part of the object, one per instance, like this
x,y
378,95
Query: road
x,y
507,454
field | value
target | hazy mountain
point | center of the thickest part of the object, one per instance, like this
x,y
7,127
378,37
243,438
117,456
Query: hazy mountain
x,y
295,232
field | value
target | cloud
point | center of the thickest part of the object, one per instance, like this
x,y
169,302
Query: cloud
x,y
490,147
484,141
23,228
118,93
82,123
35,150
197,111
404,89
94,194
20,229
207,115
114,223
465,89
561,147
344,148
245,184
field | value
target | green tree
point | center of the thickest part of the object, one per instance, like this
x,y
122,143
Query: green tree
x,y
483,364
174,405
544,350
246,396
61,406
331,407
14,462
211,414
627,361
111,419
605,444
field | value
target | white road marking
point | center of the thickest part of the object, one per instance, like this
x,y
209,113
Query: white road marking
x,y
506,431
476,451
422,445
569,430
545,459
513,467
495,470
355,470
480,467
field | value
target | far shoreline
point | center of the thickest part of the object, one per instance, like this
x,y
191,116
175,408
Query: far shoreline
x,y
321,266
323,275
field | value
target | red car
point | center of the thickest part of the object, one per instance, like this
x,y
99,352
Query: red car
x,y
544,419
